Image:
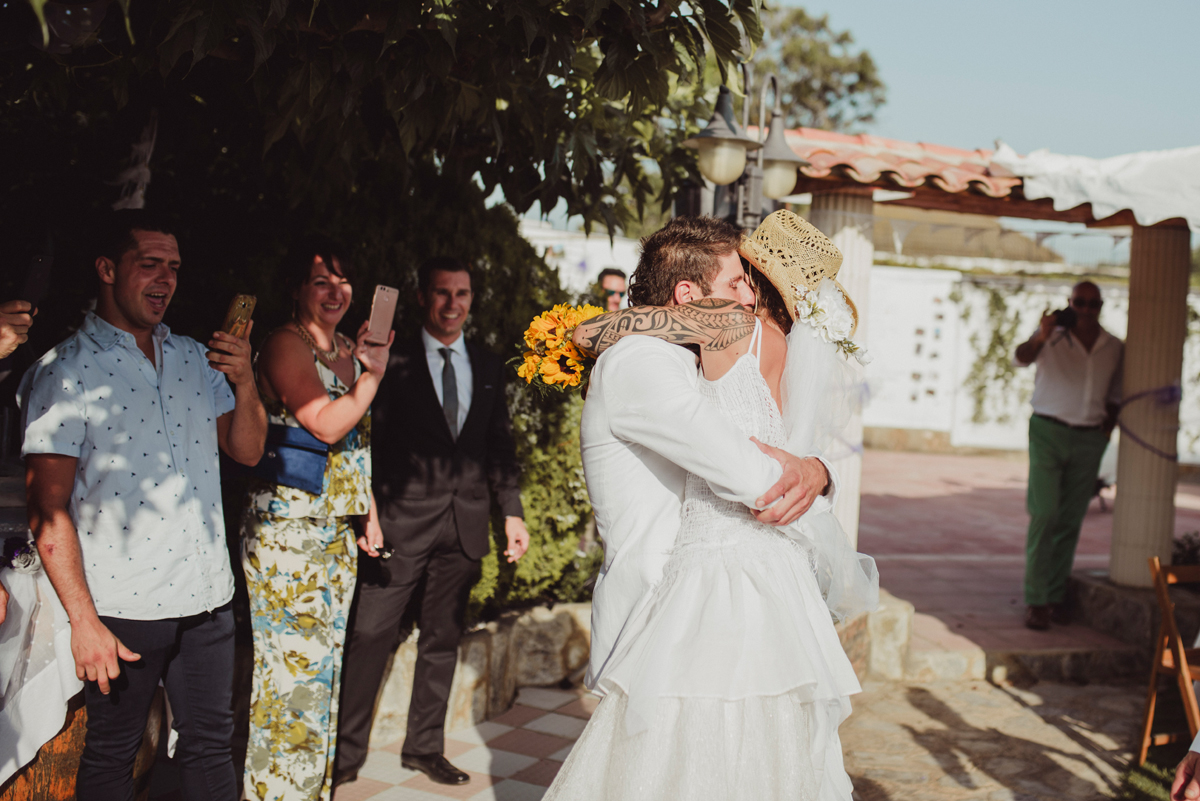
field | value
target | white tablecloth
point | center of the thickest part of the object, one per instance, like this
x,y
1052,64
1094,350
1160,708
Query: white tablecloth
x,y
37,671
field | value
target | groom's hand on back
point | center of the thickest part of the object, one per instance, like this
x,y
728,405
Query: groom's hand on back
x,y
802,482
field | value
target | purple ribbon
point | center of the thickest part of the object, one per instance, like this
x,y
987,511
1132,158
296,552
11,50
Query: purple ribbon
x,y
1172,393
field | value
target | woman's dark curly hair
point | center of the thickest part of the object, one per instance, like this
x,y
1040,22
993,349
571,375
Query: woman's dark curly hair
x,y
685,249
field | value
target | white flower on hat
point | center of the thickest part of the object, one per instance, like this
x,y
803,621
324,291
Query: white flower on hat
x,y
826,311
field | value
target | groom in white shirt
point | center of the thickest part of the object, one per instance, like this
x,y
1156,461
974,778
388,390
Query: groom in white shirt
x,y
646,426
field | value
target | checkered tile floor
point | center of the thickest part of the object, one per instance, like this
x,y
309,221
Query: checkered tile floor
x,y
513,757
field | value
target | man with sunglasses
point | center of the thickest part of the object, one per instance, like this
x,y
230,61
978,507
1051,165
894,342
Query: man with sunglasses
x,y
1076,397
612,284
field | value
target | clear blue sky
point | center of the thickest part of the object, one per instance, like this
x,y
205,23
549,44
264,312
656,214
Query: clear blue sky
x,y
1097,78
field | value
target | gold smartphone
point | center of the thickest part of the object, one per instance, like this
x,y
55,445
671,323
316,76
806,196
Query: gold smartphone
x,y
237,319
383,309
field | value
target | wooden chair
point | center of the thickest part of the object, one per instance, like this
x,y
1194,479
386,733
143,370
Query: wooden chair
x,y
1171,658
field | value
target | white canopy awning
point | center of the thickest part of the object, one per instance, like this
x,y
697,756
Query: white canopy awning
x,y
1155,186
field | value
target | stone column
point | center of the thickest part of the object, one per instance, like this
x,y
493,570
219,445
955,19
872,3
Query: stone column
x,y
847,216
1144,514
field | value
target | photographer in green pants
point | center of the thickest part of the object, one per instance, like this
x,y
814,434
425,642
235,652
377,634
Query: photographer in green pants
x,y
1076,396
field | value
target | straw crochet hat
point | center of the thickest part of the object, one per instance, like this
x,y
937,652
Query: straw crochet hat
x,y
794,256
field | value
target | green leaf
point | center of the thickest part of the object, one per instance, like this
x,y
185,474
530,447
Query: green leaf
x,y
594,9
749,12
200,38
189,13
445,21
722,32
318,77
262,47
128,27
39,10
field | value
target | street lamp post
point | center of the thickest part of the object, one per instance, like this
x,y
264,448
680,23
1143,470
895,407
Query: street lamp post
x,y
723,146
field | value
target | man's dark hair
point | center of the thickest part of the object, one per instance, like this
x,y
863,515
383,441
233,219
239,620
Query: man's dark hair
x,y
613,271
445,264
114,232
685,249
296,267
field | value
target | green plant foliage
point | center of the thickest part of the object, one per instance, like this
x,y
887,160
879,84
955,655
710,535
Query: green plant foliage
x,y
1152,781
993,371
547,100
825,82
556,512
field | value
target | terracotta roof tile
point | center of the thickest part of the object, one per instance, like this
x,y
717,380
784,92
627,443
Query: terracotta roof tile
x,y
867,159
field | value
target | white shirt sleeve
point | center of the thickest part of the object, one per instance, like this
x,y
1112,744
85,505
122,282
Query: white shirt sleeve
x,y
223,399
53,414
831,496
655,403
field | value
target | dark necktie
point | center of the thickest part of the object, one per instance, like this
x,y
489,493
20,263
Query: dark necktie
x,y
449,392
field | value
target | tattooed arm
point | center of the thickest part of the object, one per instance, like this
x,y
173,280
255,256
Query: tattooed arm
x,y
714,324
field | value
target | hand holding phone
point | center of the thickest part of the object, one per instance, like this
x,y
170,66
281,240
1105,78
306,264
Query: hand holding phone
x,y
383,310
237,318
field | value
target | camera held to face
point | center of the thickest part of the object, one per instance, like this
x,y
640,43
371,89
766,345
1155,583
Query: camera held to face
x,y
1066,318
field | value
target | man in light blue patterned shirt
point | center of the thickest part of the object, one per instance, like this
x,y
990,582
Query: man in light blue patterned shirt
x,y
123,420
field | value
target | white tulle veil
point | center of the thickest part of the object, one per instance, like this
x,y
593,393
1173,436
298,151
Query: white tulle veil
x,y
821,390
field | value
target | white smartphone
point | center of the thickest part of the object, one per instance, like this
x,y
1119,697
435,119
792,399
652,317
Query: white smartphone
x,y
383,310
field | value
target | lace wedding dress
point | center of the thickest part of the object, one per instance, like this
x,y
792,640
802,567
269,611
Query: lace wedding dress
x,y
729,681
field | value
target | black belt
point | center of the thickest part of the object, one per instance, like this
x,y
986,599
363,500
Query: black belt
x,y
1068,425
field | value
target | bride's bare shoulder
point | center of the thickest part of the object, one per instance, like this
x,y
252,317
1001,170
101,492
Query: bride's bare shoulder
x,y
774,347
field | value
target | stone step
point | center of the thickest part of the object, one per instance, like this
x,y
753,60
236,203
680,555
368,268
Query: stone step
x,y
935,653
906,646
911,646
1101,665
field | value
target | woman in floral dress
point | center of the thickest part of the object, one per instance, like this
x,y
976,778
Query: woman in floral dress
x,y
299,549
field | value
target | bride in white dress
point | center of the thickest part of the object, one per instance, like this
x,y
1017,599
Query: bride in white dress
x,y
729,681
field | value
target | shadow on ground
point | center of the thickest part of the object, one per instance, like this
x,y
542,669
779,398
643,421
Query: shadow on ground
x,y
973,740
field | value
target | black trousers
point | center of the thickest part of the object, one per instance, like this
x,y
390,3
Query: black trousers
x,y
193,656
374,634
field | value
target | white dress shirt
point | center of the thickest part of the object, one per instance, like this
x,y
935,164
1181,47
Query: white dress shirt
x,y
1074,384
462,371
147,497
646,426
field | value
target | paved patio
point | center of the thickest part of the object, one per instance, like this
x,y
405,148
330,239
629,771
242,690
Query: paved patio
x,y
948,534
513,757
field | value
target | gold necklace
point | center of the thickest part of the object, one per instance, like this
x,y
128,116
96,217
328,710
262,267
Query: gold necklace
x,y
327,356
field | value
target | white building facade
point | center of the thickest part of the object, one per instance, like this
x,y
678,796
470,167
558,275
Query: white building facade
x,y
943,343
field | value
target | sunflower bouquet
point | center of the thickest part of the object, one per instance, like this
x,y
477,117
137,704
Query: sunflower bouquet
x,y
550,359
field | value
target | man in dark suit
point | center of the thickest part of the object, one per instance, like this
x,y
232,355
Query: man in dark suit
x,y
442,448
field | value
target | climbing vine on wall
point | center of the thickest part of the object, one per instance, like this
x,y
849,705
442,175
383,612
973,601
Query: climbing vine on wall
x,y
993,373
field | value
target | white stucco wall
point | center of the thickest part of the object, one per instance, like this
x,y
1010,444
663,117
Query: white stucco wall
x,y
928,328
578,256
